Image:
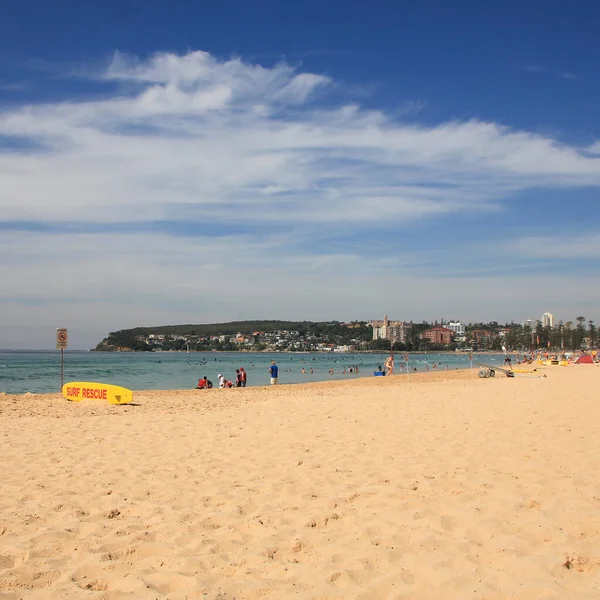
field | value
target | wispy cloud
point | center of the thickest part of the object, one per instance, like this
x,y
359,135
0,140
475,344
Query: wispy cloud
x,y
14,86
594,148
553,247
100,282
534,68
210,137
552,72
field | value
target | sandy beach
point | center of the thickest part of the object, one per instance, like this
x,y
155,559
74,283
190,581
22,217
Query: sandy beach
x,y
445,486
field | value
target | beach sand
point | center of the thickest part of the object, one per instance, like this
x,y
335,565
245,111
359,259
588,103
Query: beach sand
x,y
446,486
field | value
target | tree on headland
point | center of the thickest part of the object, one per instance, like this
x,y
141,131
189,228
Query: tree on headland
x,y
568,334
309,336
592,333
579,334
556,333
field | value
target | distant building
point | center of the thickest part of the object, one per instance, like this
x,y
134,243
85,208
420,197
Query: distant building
x,y
482,338
393,331
457,327
438,335
380,329
548,320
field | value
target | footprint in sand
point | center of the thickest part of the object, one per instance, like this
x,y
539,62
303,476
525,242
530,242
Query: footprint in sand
x,y
448,522
6,561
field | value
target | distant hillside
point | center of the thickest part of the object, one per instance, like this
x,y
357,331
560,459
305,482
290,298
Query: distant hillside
x,y
137,338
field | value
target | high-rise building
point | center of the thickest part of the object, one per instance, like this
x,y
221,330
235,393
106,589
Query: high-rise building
x,y
394,331
548,320
399,331
457,327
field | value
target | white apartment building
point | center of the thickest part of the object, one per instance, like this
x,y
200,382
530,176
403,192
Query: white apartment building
x,y
457,327
548,320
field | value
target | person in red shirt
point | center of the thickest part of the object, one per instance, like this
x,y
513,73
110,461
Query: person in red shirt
x,y
243,377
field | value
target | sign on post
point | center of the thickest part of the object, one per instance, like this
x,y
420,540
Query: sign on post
x,y
62,338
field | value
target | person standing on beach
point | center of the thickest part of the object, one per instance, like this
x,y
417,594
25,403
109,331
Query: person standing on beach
x,y
274,372
244,377
389,364
238,378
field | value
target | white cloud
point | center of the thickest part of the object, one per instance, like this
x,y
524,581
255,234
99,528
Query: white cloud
x,y
200,134
557,247
594,148
534,68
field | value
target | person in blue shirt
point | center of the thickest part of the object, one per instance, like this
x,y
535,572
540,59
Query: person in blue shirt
x,y
274,371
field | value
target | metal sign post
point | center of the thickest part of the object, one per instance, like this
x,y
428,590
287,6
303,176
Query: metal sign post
x,y
406,361
62,338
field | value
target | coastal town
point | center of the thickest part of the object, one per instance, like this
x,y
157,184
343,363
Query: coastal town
x,y
356,336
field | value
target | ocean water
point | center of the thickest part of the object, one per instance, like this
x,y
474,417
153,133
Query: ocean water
x,y
39,371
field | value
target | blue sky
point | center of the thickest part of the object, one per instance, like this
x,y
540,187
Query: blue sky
x,y
186,162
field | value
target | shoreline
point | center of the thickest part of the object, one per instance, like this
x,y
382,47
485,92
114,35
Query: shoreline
x,y
351,377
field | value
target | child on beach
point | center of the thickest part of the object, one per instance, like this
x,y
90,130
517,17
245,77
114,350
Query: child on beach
x,y
204,383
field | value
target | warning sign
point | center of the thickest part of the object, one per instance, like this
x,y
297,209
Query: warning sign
x,y
61,338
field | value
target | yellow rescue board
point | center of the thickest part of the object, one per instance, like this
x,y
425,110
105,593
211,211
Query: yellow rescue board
x,y
87,390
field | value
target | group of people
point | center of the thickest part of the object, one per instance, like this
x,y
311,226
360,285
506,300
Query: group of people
x,y
345,370
241,378
434,367
388,366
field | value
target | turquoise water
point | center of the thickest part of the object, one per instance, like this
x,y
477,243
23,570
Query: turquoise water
x,y
39,372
